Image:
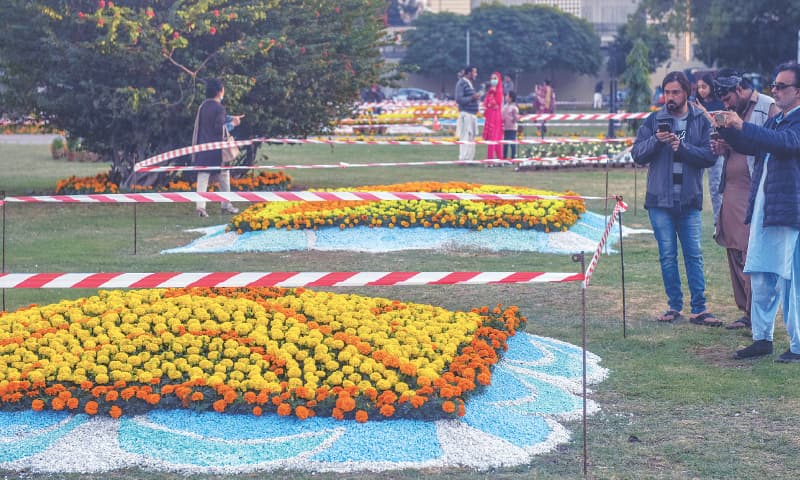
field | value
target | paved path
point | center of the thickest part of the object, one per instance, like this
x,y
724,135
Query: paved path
x,y
28,139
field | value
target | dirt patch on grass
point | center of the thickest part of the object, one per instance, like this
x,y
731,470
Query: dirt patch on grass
x,y
721,356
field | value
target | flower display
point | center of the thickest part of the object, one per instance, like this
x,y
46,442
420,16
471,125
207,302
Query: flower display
x,y
101,183
544,215
292,352
575,149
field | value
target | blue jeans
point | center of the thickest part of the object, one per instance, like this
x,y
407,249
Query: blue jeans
x,y
509,135
670,225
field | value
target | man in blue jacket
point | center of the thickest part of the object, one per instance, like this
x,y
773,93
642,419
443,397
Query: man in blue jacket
x,y
773,255
675,143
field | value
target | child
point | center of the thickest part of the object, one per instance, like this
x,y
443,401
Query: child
x,y
510,119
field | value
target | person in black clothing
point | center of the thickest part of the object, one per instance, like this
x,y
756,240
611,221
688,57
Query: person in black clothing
x,y
209,125
707,101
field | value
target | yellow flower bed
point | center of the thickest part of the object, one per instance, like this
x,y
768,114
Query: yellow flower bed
x,y
545,215
287,351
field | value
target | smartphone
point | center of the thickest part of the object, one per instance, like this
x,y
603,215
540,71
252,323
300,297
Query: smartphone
x,y
664,127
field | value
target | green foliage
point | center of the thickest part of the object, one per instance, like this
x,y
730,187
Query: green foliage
x,y
636,78
437,45
751,36
126,76
637,28
505,39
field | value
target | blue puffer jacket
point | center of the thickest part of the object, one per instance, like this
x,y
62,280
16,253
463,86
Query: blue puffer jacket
x,y
782,185
694,152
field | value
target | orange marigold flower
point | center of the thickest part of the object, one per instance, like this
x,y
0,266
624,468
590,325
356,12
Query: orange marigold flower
x,y
337,414
284,409
250,397
197,396
346,403
64,395
302,412
72,403
418,401
91,407
257,411
387,410
37,405
219,406
448,406
153,398
115,412
361,416
112,396
57,403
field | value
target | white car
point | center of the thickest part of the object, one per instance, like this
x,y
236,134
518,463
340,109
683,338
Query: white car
x,y
412,94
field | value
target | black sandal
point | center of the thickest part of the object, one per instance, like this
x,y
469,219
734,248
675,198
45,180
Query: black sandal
x,y
706,319
743,322
670,316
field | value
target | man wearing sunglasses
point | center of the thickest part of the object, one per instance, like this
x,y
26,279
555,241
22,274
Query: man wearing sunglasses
x,y
738,94
773,256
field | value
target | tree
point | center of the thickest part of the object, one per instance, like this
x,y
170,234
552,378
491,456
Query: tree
x,y
126,76
436,46
519,38
751,36
637,80
637,28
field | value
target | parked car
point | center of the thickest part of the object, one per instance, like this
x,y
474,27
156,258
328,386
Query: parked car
x,y
412,94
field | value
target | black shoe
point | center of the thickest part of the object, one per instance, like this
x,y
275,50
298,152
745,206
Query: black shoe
x,y
759,348
788,357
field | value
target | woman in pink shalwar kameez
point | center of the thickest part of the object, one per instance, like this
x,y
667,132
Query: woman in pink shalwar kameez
x,y
493,116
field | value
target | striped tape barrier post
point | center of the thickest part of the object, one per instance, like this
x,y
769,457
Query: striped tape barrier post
x,y
300,196
184,151
619,207
522,161
273,279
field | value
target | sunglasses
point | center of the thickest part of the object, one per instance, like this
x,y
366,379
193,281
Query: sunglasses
x,y
781,86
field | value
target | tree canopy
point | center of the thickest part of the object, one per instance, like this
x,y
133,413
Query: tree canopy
x,y
127,75
751,36
519,38
636,28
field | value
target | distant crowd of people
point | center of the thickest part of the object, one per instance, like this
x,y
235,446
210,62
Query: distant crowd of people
x,y
750,144
500,112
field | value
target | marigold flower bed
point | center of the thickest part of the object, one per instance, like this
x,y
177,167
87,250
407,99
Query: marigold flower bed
x,y
267,350
100,183
544,215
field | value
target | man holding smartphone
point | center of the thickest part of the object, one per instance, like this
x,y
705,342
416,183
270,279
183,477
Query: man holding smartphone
x,y
675,143
738,94
467,122
773,213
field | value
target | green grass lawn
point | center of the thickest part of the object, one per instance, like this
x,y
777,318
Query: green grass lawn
x,y
676,405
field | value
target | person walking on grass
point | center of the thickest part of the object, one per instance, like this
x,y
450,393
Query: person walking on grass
x,y
210,126
493,117
773,212
675,143
510,124
737,94
467,122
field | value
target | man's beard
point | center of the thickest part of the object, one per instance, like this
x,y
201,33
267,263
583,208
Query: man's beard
x,y
672,106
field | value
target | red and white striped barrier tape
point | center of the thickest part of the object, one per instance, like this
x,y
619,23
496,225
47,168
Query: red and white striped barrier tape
x,y
180,152
619,207
406,103
273,279
583,116
299,196
385,164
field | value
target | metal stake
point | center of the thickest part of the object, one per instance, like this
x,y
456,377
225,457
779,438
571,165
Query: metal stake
x,y
622,266
3,207
135,217
579,257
